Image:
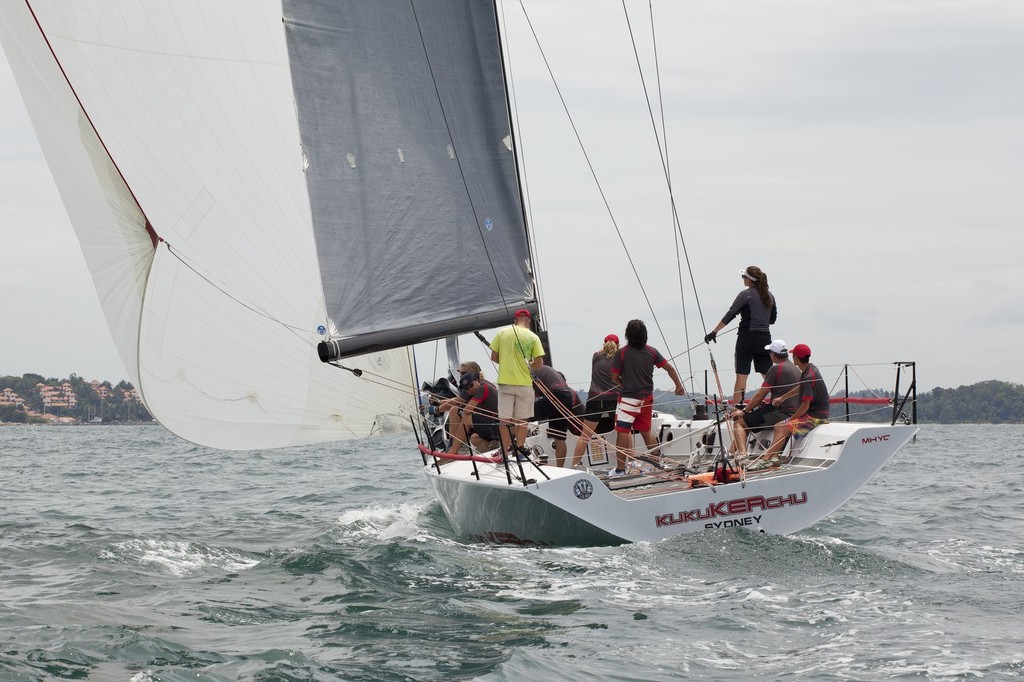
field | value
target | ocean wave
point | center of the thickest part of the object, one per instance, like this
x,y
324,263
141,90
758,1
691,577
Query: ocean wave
x,y
257,568
968,555
383,522
178,557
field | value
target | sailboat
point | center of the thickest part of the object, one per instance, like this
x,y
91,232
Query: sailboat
x,y
267,194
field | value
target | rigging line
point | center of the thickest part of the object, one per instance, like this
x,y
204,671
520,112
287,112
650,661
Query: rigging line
x,y
298,331
833,386
416,391
668,169
865,384
657,140
862,364
514,111
559,406
668,173
381,379
490,414
437,347
665,170
590,166
486,344
678,236
695,347
458,159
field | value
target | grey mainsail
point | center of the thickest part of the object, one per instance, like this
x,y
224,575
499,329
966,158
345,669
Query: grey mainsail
x,y
416,208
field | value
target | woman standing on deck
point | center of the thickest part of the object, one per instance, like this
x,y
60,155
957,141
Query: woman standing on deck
x,y
603,397
756,307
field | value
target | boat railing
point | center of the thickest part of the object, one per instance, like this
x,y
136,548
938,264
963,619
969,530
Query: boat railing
x,y
900,403
911,394
437,456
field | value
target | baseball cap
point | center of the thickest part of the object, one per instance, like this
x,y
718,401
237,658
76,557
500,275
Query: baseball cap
x,y
611,337
523,312
467,379
802,351
778,346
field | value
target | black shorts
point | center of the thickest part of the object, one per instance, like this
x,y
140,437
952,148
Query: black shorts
x,y
750,348
763,415
543,410
487,430
602,411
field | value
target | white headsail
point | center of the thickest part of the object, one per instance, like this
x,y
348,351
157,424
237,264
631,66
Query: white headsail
x,y
225,164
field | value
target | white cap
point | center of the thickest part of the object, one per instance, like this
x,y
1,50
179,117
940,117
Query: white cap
x,y
778,346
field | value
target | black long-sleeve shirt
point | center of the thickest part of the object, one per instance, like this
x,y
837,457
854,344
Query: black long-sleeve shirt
x,y
753,315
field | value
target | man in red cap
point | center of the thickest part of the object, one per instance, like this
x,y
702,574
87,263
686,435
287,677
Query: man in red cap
x,y
517,350
813,408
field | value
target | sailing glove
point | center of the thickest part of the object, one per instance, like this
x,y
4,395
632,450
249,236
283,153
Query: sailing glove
x,y
712,336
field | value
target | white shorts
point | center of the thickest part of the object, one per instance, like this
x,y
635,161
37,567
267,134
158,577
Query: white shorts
x,y
515,402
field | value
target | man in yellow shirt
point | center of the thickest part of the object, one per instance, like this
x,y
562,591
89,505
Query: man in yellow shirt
x,y
517,350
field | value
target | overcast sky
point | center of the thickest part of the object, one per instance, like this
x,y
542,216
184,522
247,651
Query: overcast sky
x,y
866,155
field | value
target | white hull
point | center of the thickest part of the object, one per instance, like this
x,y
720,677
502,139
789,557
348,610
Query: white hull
x,y
579,508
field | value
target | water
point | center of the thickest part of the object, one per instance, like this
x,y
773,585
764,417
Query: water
x,y
127,554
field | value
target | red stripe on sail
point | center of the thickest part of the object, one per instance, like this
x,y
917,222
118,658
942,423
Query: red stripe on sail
x,y
149,228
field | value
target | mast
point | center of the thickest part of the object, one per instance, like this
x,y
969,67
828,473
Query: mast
x,y
539,321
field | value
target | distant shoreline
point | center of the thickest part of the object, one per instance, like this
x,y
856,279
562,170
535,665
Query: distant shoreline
x,y
73,424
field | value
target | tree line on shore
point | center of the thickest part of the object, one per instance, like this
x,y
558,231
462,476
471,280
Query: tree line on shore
x,y
986,402
89,405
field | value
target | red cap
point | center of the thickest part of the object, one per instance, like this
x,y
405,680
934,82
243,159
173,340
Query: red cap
x,y
611,337
801,350
523,312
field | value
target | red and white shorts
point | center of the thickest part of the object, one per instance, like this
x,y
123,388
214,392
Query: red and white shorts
x,y
634,414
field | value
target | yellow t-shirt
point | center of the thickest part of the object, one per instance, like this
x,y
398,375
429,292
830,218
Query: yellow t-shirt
x,y
516,346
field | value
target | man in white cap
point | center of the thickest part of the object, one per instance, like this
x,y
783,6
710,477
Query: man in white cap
x,y
779,381
812,410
